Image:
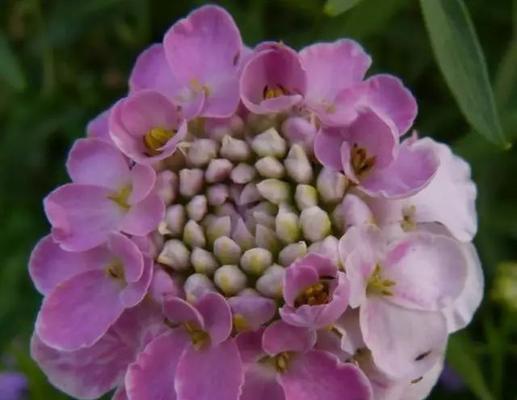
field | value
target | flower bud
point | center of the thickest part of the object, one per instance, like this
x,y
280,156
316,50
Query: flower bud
x,y
249,194
331,185
269,143
217,194
217,227
256,260
305,196
315,224
203,261
301,131
193,234
230,279
235,150
260,122
287,226
201,151
175,219
328,247
167,184
242,236
196,286
266,238
227,251
270,284
248,292
197,207
270,167
175,255
298,165
191,182
292,252
274,190
243,173
218,170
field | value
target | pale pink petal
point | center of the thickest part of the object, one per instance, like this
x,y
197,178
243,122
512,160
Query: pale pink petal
x,y
179,311
327,148
128,254
151,376
213,373
255,310
217,317
320,375
250,346
297,279
143,179
280,337
120,394
350,329
260,383
135,292
144,216
98,128
404,343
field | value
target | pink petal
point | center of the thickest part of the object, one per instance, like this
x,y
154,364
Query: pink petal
x,y
120,394
404,343
144,217
327,148
319,375
179,311
260,383
50,265
79,311
128,254
350,330
214,373
429,271
298,278
95,162
135,292
151,376
82,216
255,310
217,317
143,179
250,346
98,128
280,337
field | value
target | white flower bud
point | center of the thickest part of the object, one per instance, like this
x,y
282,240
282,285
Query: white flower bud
x,y
227,251
260,122
256,260
315,223
292,252
301,131
270,167
249,292
287,226
271,282
201,151
226,210
266,238
193,234
197,207
203,261
230,279
269,143
249,194
243,173
196,286
263,218
235,150
242,235
305,196
167,184
298,165
218,170
175,255
191,182
338,217
235,192
274,190
217,194
175,219
331,185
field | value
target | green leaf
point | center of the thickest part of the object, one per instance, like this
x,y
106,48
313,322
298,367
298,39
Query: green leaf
x,y
462,63
10,70
336,7
461,357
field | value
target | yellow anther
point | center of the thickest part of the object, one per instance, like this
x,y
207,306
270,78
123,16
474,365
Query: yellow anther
x,y
198,337
115,270
281,362
239,323
122,196
378,285
314,295
408,222
155,139
198,87
361,162
270,92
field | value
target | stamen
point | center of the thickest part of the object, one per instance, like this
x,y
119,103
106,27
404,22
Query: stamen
x,y
378,285
155,139
361,163
281,362
316,294
115,270
198,337
270,92
121,197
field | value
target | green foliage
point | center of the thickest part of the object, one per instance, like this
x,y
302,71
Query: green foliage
x,y
336,7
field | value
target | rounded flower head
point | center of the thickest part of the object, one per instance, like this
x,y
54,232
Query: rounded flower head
x,y
250,224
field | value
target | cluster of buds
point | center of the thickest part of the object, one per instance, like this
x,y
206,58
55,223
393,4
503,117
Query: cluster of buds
x,y
248,224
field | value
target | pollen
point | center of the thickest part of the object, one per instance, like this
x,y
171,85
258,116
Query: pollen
x,y
281,362
316,294
122,196
378,285
198,337
239,323
156,138
361,162
271,92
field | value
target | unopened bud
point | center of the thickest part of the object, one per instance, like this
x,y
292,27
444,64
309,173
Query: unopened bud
x,y
203,261
331,185
249,292
249,194
287,226
167,184
217,194
298,165
328,247
274,190
315,224
266,238
243,173
242,236
269,143
218,170
191,182
227,251
305,196
260,122
175,255
263,218
301,131
270,167
197,207
175,219
271,282
235,150
196,286
256,261
201,151
230,279
217,227
292,252
193,234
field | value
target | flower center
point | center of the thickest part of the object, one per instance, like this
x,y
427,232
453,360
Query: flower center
x,y
198,87
270,92
377,285
121,197
115,270
361,163
198,337
156,138
316,294
281,362
408,218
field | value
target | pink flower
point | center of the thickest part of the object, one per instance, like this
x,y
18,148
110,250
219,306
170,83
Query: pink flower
x,y
106,196
316,294
86,292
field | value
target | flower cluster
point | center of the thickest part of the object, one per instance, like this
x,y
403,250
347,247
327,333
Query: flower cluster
x,y
253,224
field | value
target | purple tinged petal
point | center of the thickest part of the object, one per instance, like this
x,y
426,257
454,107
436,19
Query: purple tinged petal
x,y
179,311
280,337
143,179
128,254
213,373
135,292
151,376
98,127
144,217
250,346
79,311
254,310
297,278
120,394
217,317
260,383
320,375
327,148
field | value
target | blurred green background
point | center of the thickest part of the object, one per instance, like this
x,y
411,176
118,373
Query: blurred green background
x,y
63,61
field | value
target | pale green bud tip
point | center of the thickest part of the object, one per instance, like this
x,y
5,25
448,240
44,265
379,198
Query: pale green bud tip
x,y
193,234
230,279
203,261
227,251
274,190
269,143
270,283
191,182
315,224
256,260
235,150
306,196
175,255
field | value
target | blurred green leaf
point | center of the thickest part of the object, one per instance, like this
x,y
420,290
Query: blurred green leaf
x,y
10,70
506,78
462,63
461,357
336,7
